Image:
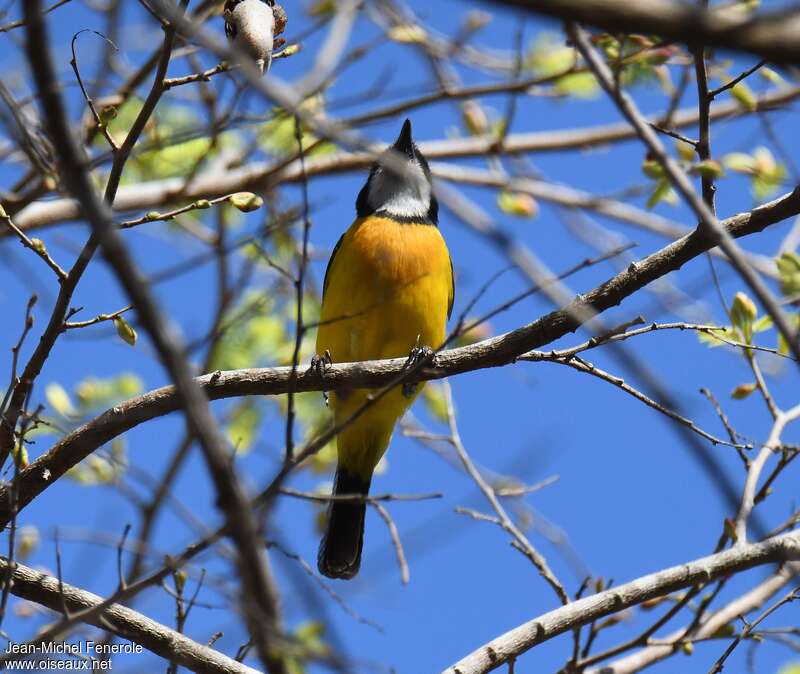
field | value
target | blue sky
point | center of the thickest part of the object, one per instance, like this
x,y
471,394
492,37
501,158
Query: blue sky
x,y
630,498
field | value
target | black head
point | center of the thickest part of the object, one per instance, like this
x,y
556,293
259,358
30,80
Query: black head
x,y
407,195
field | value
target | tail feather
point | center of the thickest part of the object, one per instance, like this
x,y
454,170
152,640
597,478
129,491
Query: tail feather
x,y
340,549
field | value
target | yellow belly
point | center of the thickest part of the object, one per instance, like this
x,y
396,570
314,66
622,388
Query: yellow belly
x,y
389,287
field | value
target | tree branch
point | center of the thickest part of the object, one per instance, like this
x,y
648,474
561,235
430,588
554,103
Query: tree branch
x,y
127,623
494,352
772,35
581,612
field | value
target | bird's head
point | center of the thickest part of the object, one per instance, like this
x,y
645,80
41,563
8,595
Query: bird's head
x,y
250,26
407,194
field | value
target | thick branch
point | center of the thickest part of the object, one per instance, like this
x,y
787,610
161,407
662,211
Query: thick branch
x,y
493,352
581,612
772,35
126,623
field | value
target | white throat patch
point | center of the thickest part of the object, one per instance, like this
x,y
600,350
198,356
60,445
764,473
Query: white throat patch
x,y
400,196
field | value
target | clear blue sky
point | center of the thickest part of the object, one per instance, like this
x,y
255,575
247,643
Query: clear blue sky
x,y
629,497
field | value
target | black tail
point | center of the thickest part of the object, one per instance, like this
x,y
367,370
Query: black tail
x,y
340,549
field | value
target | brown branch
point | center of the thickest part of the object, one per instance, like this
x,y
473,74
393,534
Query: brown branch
x,y
583,611
161,640
494,352
772,35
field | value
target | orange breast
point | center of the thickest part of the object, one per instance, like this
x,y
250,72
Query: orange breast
x,y
388,284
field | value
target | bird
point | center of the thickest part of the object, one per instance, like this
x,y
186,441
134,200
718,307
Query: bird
x,y
251,25
387,292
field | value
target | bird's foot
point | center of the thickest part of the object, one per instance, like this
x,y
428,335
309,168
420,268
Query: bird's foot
x,y
421,353
320,364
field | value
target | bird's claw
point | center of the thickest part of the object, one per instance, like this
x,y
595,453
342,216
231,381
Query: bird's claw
x,y
419,354
321,363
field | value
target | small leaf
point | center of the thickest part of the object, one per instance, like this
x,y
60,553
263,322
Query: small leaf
x,y
246,202
125,330
662,192
789,272
38,246
202,203
685,150
730,529
435,401
771,76
517,203
291,50
742,391
745,96
687,647
27,542
652,169
474,118
743,313
723,632
408,33
708,168
180,580
739,162
59,399
762,324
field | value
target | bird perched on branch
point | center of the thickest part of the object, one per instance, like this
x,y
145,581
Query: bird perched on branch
x,y
253,25
388,293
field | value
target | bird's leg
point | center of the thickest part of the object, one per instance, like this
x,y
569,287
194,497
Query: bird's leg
x,y
420,353
319,364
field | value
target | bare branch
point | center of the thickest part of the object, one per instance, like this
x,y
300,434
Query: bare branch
x,y
534,632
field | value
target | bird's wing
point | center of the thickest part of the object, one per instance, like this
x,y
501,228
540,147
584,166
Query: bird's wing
x,y
452,295
330,264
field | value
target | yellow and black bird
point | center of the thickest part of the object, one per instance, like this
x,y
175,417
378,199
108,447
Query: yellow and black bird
x,y
388,289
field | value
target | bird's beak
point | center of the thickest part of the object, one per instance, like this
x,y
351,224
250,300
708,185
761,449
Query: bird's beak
x,y
405,143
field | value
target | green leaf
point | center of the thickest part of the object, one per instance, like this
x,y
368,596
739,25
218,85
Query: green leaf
x,y
59,400
94,392
518,204
742,391
245,421
739,162
789,272
579,85
435,401
768,174
723,632
246,202
652,169
744,96
125,330
743,313
27,542
709,338
772,76
708,168
762,324
662,192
